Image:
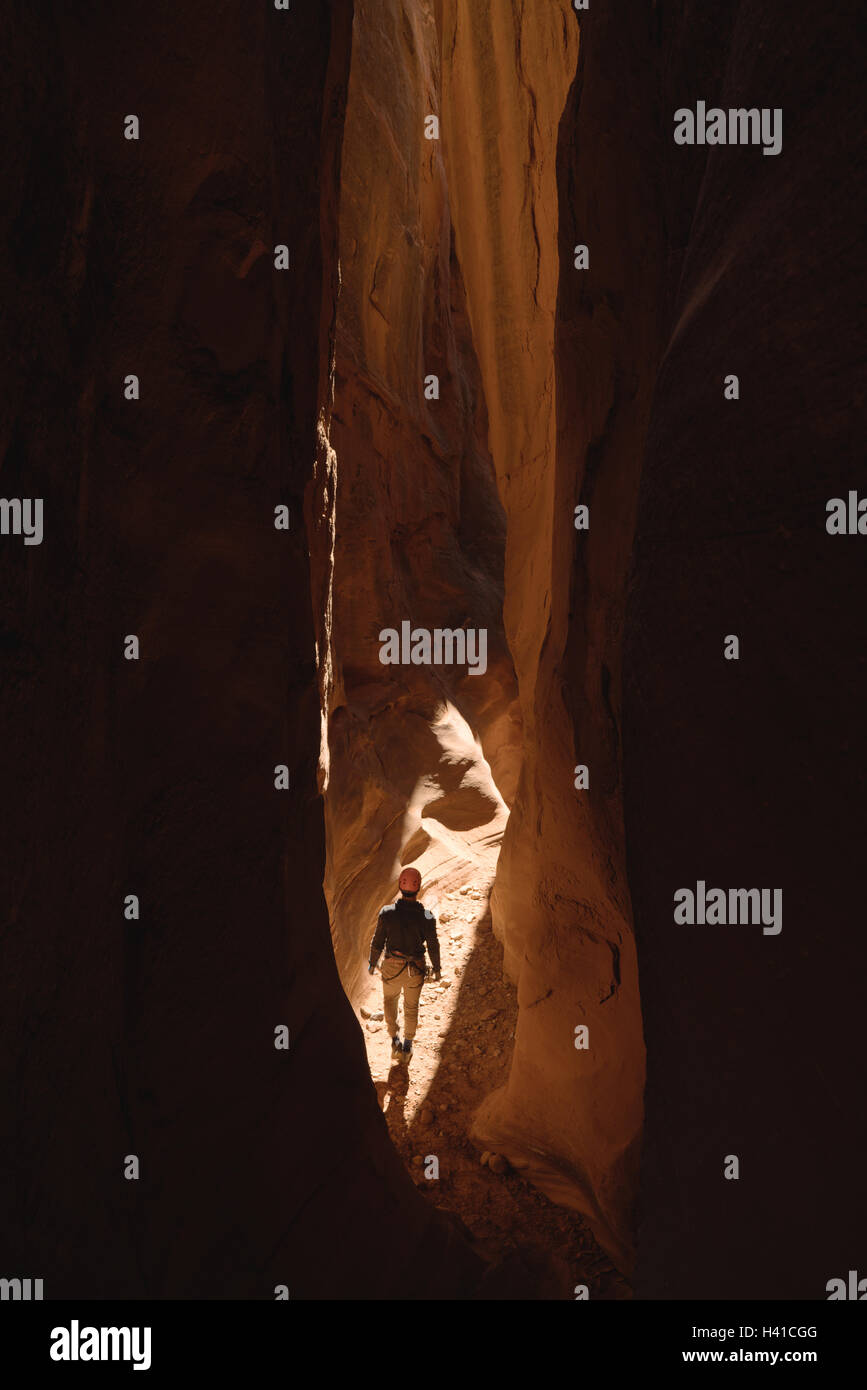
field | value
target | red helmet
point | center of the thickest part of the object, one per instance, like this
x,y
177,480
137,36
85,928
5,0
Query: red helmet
x,y
409,881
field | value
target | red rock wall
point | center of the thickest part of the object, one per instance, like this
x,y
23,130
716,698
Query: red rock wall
x,y
751,772
156,1038
420,759
453,510
567,393
558,387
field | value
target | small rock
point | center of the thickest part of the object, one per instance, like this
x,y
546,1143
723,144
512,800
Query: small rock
x,y
373,1028
485,1158
377,1018
365,1013
426,1115
498,1164
485,1017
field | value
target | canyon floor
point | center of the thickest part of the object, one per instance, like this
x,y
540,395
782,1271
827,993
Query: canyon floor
x,y
460,1054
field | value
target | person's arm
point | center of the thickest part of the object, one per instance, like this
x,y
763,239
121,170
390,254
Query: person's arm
x,y
432,940
377,945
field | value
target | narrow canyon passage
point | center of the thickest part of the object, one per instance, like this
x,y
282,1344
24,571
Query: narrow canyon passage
x,y
462,1052
452,511
415,314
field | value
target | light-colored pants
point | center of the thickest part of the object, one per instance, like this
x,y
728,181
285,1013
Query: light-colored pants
x,y
400,975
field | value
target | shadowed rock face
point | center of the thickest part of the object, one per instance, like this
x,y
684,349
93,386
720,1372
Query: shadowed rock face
x,y
544,149
567,393
557,387
750,773
156,1038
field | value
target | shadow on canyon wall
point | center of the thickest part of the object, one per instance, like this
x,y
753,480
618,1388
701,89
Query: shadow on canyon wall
x,y
259,648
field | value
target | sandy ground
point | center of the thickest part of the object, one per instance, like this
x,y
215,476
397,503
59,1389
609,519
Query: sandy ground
x,y
461,1052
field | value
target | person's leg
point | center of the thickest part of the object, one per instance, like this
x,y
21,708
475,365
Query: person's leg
x,y
392,983
411,995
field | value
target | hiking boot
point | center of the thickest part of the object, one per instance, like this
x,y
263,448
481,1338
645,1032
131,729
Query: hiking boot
x,y
407,1047
396,1044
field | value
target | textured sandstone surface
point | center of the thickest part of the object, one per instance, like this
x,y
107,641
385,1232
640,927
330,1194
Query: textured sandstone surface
x,y
751,773
459,511
421,760
543,147
557,387
569,1119
156,1038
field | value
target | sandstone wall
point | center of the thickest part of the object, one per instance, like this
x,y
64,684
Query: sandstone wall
x,y
156,1038
421,760
567,387
558,387
749,773
460,510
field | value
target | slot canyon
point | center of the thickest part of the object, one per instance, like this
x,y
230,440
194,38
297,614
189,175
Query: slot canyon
x,y
452,506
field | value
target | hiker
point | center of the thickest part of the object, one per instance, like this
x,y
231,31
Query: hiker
x,y
404,929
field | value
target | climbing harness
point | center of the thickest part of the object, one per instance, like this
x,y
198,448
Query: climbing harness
x,y
410,963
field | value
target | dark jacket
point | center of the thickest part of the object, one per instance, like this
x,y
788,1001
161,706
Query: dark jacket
x,y
405,928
